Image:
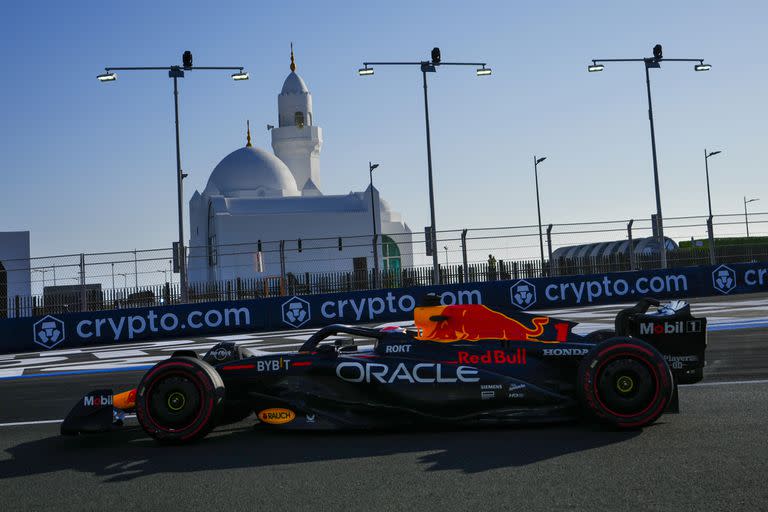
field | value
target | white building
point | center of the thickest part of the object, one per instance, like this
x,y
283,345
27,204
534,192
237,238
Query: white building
x,y
253,195
14,270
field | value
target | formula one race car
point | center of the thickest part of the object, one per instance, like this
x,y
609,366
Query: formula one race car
x,y
460,365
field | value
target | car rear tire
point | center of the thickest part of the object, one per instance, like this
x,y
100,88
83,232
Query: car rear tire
x,y
625,382
177,401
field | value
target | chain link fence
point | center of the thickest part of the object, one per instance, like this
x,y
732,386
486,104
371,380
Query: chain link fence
x,y
134,278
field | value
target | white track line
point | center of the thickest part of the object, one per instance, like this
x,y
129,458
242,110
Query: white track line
x,y
24,423
42,422
729,383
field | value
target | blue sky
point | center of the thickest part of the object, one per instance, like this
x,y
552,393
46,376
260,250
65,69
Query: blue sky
x,y
90,167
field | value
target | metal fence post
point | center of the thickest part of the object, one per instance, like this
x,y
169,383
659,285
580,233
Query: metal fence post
x,y
83,294
464,254
549,250
135,269
282,259
631,245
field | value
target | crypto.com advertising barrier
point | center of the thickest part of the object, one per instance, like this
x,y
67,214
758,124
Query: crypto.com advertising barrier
x,y
128,325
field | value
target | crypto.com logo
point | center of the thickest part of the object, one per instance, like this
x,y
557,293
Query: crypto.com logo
x,y
724,279
48,331
522,294
296,312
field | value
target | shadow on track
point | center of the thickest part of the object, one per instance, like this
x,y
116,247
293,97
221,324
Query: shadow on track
x,y
127,454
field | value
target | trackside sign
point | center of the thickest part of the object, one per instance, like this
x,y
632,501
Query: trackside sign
x,y
310,311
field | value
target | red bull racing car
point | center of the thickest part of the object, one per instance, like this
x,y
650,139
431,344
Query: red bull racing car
x,y
459,365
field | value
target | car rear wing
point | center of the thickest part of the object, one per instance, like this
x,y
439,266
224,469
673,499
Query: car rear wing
x,y
672,330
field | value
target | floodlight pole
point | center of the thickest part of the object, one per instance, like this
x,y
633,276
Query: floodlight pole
x,y
659,221
183,279
177,72
371,167
653,62
536,162
710,227
428,67
433,231
746,218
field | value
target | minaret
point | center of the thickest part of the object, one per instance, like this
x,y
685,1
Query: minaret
x,y
296,141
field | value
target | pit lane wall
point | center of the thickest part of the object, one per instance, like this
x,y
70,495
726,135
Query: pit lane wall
x,y
63,331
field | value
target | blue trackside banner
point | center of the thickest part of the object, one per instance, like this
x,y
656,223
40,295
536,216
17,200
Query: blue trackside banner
x,y
72,330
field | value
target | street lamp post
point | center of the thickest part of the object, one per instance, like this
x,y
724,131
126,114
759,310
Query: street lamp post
x,y
428,67
371,168
710,227
176,72
536,162
746,219
653,62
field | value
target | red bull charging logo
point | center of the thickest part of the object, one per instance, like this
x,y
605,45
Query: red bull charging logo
x,y
472,322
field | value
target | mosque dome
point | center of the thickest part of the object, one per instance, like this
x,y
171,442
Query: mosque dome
x,y
294,84
251,172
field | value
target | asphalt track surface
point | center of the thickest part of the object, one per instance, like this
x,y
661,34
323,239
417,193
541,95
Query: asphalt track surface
x,y
712,456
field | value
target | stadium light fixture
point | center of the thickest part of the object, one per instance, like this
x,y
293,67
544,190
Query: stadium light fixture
x,y
430,66
175,72
653,63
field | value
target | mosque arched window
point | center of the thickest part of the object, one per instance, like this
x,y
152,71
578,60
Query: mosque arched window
x,y
298,119
212,250
390,254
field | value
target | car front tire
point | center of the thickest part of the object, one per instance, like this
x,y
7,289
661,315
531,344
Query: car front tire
x,y
178,400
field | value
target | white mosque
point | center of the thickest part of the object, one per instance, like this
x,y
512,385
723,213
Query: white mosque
x,y
253,195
